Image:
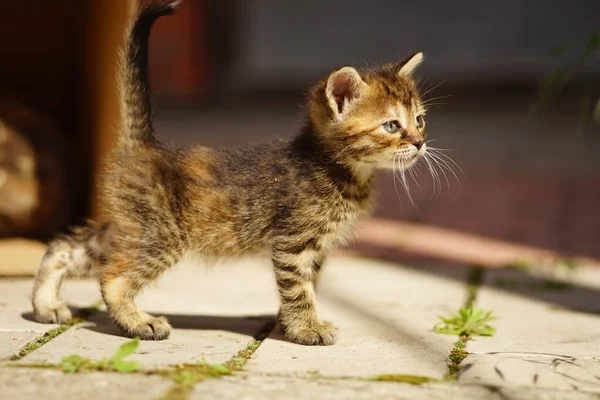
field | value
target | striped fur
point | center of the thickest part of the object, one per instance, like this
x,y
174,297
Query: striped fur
x,y
296,199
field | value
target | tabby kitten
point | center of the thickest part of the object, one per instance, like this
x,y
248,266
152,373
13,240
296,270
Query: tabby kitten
x,y
297,199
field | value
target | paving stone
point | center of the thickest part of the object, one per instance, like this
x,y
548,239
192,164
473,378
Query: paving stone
x,y
576,288
16,312
259,387
540,340
244,286
530,321
12,342
543,371
384,313
35,384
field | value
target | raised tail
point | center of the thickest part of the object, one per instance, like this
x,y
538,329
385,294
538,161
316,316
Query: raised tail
x,y
134,89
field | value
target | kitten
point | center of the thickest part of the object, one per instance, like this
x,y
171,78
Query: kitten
x,y
297,198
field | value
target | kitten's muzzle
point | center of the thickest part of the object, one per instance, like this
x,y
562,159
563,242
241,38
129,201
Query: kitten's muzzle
x,y
418,143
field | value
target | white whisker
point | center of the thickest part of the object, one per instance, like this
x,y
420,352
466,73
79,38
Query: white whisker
x,y
358,165
411,172
425,102
443,167
421,85
433,88
405,183
340,153
447,159
414,171
394,178
434,175
435,104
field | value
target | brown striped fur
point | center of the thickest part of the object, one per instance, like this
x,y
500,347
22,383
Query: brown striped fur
x,y
296,199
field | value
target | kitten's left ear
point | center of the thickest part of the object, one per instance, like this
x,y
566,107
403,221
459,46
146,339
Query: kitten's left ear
x,y
409,64
344,86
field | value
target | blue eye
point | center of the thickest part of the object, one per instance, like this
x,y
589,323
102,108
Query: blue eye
x,y
392,126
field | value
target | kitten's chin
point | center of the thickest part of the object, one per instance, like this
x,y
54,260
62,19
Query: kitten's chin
x,y
398,163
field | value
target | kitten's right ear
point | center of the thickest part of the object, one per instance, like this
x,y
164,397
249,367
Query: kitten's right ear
x,y
409,64
344,86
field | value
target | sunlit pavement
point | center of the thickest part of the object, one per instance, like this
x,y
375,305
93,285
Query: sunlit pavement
x,y
546,337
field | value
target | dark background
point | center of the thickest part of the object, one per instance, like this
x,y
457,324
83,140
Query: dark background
x,y
260,44
529,177
230,72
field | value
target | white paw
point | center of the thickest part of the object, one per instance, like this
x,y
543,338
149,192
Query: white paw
x,y
59,313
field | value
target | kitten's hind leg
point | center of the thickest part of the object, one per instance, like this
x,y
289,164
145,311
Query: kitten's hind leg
x,y
121,281
79,254
295,274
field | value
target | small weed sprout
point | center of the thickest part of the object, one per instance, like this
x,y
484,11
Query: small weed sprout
x,y
468,322
76,363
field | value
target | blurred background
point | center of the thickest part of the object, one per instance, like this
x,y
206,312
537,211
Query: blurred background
x,y
515,87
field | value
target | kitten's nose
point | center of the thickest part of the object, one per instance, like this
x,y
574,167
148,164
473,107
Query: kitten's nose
x,y
418,143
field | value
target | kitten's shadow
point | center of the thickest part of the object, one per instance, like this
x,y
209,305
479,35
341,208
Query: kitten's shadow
x,y
257,326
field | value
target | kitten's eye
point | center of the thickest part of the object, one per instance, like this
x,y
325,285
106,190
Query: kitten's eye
x,y
420,122
392,126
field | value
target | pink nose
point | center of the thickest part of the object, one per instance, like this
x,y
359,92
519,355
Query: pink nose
x,y
418,143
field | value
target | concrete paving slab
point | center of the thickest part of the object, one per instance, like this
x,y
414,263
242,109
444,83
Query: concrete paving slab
x,y
12,342
384,313
573,288
541,341
260,387
227,288
35,384
533,318
16,312
518,370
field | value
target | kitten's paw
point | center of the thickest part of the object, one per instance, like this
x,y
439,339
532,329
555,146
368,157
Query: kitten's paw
x,y
58,314
157,328
320,334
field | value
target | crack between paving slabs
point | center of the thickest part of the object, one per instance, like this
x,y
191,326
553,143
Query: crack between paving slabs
x,y
186,376
458,352
82,315
398,378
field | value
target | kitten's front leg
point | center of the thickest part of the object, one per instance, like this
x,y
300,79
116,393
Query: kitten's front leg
x,y
295,274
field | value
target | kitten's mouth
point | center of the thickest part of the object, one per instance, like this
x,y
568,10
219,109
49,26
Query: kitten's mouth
x,y
407,156
401,160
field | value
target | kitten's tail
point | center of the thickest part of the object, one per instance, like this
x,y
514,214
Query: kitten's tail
x,y
134,89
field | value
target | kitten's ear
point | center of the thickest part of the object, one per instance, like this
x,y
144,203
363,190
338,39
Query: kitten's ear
x,y
343,87
409,64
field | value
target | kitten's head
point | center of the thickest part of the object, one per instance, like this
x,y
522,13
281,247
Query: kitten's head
x,y
372,118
